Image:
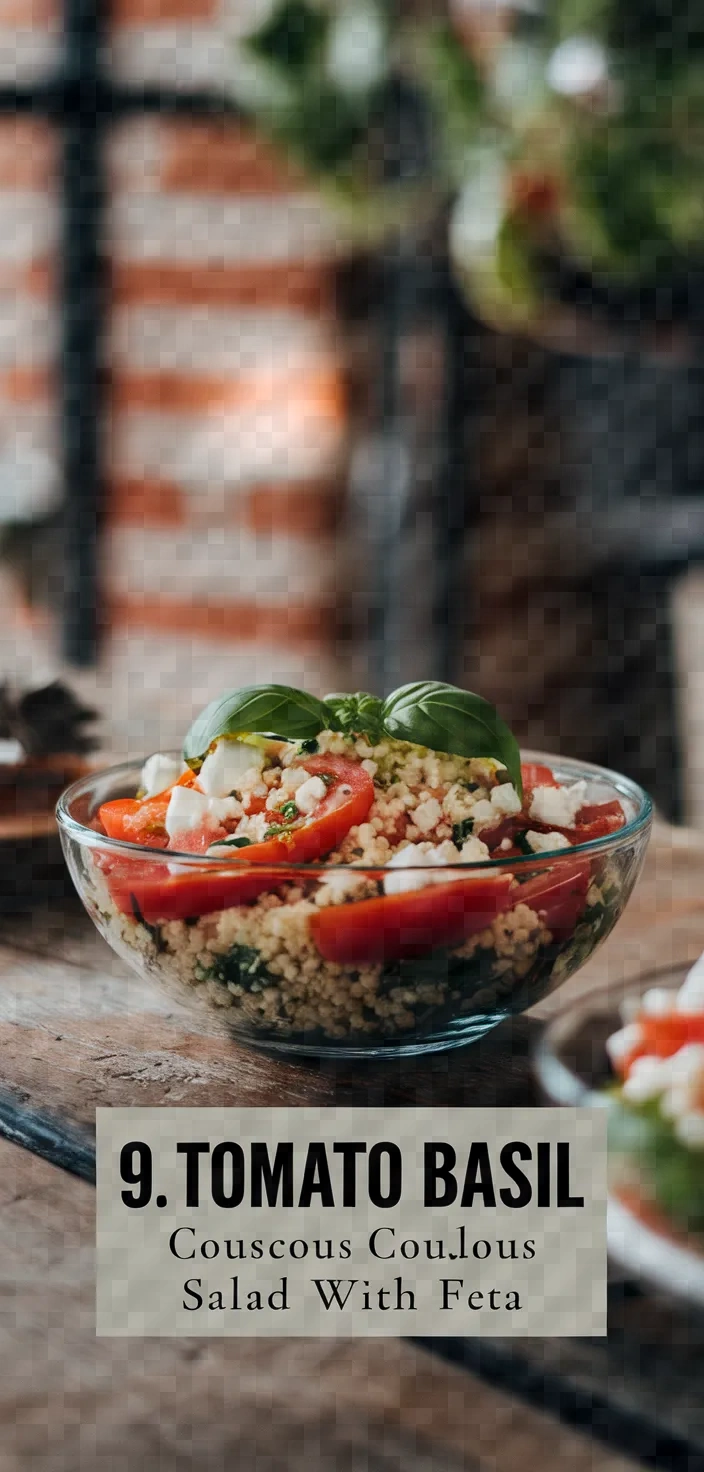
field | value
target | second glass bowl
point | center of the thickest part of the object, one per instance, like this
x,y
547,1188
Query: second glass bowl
x,y
650,1235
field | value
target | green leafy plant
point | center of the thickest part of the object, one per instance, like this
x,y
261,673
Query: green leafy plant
x,y
570,148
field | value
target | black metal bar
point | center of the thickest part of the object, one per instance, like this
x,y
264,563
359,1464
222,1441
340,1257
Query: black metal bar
x,y
456,480
82,304
125,101
42,97
59,96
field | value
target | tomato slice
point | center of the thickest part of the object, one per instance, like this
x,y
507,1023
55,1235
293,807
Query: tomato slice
x,y
141,820
661,1037
160,895
318,834
593,812
397,927
535,775
149,891
137,821
559,895
595,820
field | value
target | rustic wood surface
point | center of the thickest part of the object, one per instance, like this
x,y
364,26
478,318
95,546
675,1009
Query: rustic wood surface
x,y
72,1403
78,1030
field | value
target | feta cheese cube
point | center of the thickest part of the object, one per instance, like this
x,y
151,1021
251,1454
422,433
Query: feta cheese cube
x,y
558,805
189,810
473,851
690,997
623,1042
646,1080
690,1130
545,843
407,858
158,773
427,815
309,794
224,768
292,779
340,884
426,857
687,1065
483,813
657,1002
505,799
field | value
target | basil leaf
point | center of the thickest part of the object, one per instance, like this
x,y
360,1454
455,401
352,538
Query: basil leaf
x,y
355,715
445,718
289,713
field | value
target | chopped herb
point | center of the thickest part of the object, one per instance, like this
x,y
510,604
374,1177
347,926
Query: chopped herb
x,y
240,966
276,829
152,930
307,748
289,810
461,831
328,778
234,842
521,843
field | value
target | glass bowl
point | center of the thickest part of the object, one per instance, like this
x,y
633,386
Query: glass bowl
x,y
647,1236
308,960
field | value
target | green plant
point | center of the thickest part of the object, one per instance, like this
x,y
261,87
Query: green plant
x,y
572,147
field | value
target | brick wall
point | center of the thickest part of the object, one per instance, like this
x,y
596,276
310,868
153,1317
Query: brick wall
x,y
225,442
28,319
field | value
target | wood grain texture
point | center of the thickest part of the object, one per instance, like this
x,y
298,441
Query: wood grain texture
x,y
76,1030
72,1403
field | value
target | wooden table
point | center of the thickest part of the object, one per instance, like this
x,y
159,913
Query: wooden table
x,y
77,1030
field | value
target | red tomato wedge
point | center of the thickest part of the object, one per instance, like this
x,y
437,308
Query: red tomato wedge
x,y
152,891
535,775
135,821
559,895
320,832
141,820
397,927
595,820
149,891
661,1037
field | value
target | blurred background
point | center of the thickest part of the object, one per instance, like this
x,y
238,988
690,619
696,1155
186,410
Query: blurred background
x,y
345,343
